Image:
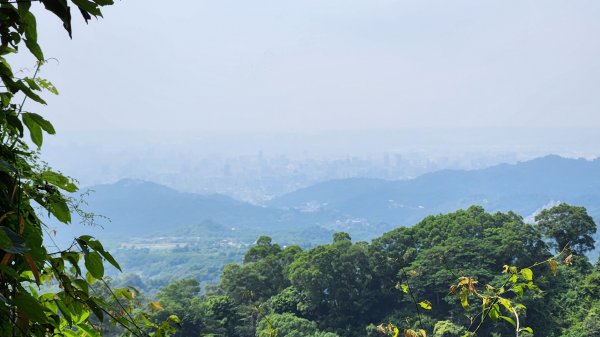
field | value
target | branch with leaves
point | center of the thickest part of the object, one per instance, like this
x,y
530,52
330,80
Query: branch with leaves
x,y
27,187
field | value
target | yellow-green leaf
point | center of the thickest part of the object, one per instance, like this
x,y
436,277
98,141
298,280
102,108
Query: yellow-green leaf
x,y
527,274
155,306
425,305
509,320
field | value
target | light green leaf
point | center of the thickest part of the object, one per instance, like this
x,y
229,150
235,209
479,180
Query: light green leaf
x,y
494,312
509,320
518,290
527,274
425,305
527,329
174,319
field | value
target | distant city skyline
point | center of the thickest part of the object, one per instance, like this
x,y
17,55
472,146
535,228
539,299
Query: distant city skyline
x,y
256,166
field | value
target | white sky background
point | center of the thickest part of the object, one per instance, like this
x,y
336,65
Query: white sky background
x,y
319,65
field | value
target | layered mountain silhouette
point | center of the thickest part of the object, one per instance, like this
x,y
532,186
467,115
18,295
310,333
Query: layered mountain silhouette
x,y
523,187
137,208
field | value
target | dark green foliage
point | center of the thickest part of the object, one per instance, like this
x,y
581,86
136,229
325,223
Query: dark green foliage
x,y
348,289
46,290
290,326
568,225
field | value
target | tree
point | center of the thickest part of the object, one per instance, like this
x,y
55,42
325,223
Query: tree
x,y
25,182
289,325
262,249
567,225
447,329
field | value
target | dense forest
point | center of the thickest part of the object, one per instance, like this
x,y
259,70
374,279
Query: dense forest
x,y
349,289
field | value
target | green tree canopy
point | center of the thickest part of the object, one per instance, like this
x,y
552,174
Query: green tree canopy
x,y
567,225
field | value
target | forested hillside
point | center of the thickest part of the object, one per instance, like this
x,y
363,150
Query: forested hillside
x,y
405,277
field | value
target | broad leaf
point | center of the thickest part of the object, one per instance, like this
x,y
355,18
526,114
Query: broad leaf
x,y
527,274
94,264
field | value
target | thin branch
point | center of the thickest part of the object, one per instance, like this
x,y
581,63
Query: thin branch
x,y
120,304
414,300
37,69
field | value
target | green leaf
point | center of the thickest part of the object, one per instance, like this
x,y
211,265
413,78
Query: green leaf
x,y
506,303
518,290
65,311
12,242
88,6
94,264
7,167
46,85
23,8
104,2
59,208
31,307
96,309
527,274
89,330
111,260
62,11
174,319
15,122
494,312
35,131
509,320
36,123
43,123
527,329
20,85
59,181
30,25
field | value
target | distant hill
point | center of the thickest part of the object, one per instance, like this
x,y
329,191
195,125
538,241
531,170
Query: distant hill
x,y
135,208
523,187
192,234
363,207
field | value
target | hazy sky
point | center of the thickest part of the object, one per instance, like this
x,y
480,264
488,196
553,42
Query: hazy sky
x,y
314,65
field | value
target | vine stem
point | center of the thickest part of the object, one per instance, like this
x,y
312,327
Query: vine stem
x,y
414,300
517,318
